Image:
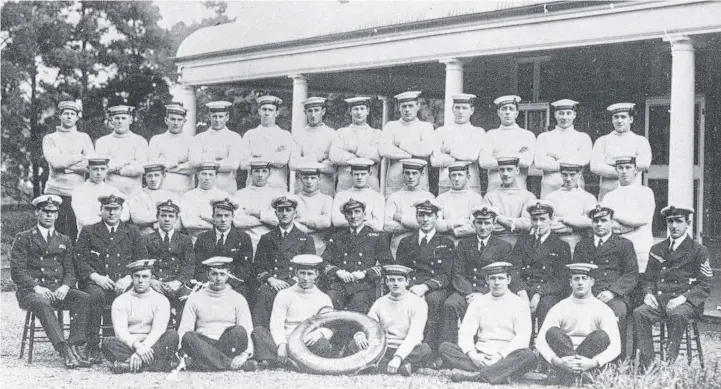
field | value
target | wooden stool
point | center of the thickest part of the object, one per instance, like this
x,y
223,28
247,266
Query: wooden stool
x,y
33,333
691,340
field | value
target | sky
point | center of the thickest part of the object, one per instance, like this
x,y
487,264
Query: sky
x,y
189,11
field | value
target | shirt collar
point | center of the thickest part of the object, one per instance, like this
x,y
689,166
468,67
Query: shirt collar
x,y
677,242
484,241
219,234
169,233
108,226
545,236
282,231
428,236
45,231
602,239
358,230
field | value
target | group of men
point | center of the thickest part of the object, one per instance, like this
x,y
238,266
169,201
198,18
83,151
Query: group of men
x,y
235,271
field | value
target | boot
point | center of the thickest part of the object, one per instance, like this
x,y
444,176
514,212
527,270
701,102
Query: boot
x,y
93,355
70,361
120,367
82,362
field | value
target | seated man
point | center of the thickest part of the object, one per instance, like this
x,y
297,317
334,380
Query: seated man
x,y
292,306
142,339
469,281
315,206
102,252
400,219
216,324
541,260
455,219
197,215
403,315
431,256
173,252
276,249
675,284
360,169
354,256
224,240
142,201
511,199
617,274
42,267
500,325
580,333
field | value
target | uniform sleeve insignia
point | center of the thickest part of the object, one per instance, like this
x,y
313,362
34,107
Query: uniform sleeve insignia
x,y
302,239
706,269
62,246
441,246
553,254
373,234
94,252
234,250
658,257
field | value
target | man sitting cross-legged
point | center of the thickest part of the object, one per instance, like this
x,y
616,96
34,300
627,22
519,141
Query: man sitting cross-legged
x,y
216,324
142,339
292,306
580,333
403,315
500,322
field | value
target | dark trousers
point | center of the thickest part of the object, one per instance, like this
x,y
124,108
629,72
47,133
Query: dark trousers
x,y
267,350
76,301
213,355
454,308
263,306
434,325
514,364
677,319
620,310
356,297
595,343
177,299
99,298
417,357
544,305
115,349
66,223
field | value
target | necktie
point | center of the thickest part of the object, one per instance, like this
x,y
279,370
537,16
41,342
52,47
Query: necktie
x,y
481,247
219,243
537,243
166,240
600,243
112,230
284,234
424,241
673,245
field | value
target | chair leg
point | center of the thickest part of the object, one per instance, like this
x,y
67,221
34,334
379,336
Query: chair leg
x,y
689,351
697,338
28,316
662,339
31,343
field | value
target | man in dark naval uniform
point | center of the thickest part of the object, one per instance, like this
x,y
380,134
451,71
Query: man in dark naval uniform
x,y
541,260
354,256
42,267
431,256
174,257
617,273
675,284
103,251
276,248
469,278
224,240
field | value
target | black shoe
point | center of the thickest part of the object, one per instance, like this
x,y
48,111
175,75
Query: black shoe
x,y
435,364
458,375
120,367
82,362
264,365
250,365
70,361
406,369
93,355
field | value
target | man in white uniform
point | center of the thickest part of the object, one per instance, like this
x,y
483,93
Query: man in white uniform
x,y
400,211
314,207
128,151
459,141
314,142
507,139
407,137
197,212
361,191
358,140
563,142
620,142
256,215
457,204
633,205
572,204
219,144
269,143
511,201
143,202
173,148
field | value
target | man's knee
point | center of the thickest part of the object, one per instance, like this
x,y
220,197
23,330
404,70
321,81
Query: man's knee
x,y
599,337
446,348
190,339
238,332
38,302
554,333
619,308
436,299
455,304
681,314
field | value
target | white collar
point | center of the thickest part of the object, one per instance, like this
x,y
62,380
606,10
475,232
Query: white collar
x,y
484,241
286,231
357,230
169,233
545,236
108,226
219,234
602,239
428,236
677,242
46,232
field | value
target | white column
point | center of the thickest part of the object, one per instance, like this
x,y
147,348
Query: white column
x,y
298,120
680,167
186,95
454,85
384,162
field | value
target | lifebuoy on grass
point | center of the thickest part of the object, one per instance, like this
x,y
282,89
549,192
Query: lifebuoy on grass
x,y
311,363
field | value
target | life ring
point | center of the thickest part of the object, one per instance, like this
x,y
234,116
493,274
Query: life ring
x,y
352,364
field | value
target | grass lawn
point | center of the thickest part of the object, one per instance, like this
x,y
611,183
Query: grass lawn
x,y
47,371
